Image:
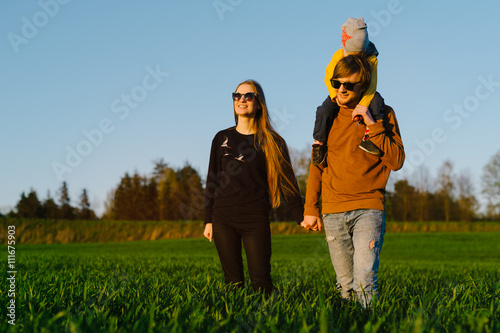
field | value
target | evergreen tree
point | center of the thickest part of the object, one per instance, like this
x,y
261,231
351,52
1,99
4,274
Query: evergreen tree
x,y
151,200
122,198
29,206
168,194
67,212
50,208
139,209
85,212
135,199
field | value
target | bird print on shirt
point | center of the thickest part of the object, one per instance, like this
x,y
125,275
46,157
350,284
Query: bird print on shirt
x,y
227,151
224,144
225,147
240,158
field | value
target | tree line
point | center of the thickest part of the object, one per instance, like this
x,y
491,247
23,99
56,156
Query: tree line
x,y
450,196
29,206
169,193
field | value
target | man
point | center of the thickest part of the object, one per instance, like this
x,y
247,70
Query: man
x,y
352,184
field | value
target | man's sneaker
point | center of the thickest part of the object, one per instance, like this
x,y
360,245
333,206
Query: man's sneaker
x,y
369,147
318,153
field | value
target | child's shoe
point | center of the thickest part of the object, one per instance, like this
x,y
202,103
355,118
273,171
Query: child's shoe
x,y
369,147
318,153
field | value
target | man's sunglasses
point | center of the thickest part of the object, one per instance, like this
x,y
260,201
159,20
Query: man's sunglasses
x,y
347,85
250,96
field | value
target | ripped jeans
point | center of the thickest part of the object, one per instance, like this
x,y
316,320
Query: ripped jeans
x,y
355,240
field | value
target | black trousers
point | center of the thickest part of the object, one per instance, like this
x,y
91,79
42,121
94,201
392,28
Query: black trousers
x,y
256,238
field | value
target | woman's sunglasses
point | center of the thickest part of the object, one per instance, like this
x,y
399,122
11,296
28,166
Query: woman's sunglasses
x,y
248,96
347,85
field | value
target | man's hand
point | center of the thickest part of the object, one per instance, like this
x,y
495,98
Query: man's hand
x,y
312,223
364,112
208,233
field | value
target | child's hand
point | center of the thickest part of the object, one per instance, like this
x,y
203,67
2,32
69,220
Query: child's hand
x,y
362,114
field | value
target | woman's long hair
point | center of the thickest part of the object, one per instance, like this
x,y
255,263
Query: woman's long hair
x,y
274,149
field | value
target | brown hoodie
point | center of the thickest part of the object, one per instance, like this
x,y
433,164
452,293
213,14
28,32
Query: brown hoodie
x,y
354,179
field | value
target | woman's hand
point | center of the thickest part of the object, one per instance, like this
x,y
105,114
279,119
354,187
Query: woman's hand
x,y
208,233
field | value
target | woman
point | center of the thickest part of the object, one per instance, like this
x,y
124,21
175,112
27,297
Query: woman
x,y
249,172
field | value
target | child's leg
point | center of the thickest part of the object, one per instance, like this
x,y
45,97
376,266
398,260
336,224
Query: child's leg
x,y
325,114
377,107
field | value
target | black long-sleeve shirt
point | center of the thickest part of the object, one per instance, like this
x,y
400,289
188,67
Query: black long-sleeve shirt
x,y
237,176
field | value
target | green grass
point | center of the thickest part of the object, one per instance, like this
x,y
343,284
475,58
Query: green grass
x,y
428,282
37,231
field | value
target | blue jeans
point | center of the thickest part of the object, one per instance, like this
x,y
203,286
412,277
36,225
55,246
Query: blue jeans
x,y
355,240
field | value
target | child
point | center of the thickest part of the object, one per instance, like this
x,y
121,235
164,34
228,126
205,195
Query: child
x,y
355,41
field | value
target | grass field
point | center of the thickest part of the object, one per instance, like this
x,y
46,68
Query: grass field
x,y
28,231
429,282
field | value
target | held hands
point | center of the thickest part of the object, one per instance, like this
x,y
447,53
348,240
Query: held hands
x,y
361,114
312,223
208,233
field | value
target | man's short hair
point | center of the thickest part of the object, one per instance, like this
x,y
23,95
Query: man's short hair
x,y
351,65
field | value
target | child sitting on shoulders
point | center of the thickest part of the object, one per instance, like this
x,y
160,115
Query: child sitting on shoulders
x,y
355,42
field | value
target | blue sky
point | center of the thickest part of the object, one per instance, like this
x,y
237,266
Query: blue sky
x,y
92,89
